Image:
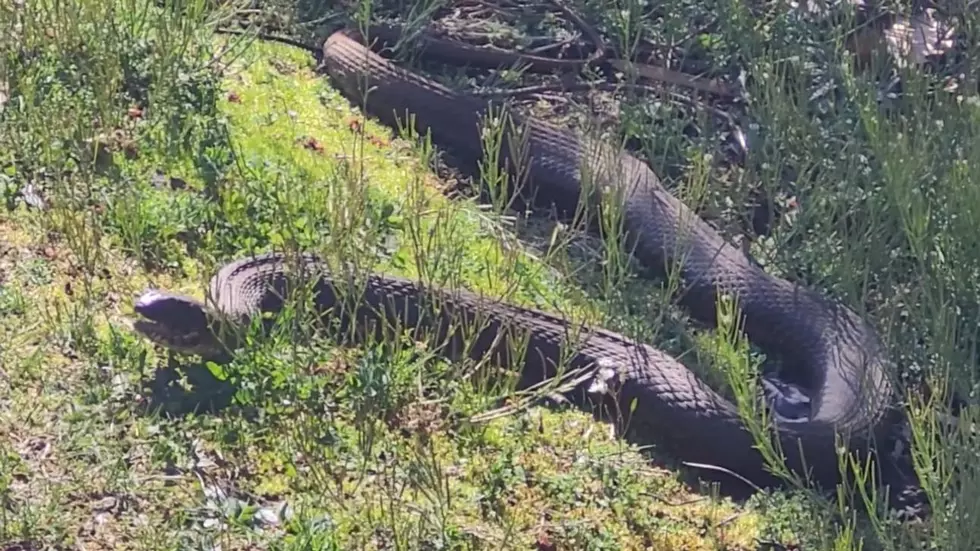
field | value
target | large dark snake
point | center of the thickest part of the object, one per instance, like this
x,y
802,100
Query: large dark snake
x,y
834,354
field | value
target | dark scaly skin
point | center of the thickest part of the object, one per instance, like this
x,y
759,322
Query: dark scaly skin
x,y
670,400
834,353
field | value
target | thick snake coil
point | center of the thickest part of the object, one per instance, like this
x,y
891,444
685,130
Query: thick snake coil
x,y
833,353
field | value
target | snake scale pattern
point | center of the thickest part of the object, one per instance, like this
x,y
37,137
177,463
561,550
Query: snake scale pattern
x,y
836,356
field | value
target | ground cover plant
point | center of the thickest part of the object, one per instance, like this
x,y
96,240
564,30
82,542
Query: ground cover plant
x,y
140,149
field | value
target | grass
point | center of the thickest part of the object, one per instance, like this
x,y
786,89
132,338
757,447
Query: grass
x,y
163,151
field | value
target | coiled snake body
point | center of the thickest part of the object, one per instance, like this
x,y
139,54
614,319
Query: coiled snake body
x,y
835,354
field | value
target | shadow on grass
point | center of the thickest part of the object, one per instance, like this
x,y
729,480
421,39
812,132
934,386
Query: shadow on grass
x,y
186,389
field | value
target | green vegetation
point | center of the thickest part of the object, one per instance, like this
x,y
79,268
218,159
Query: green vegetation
x,y
162,150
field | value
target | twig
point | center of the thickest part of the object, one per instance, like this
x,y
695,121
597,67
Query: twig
x,y
594,37
547,47
716,468
648,71
662,74
604,87
270,37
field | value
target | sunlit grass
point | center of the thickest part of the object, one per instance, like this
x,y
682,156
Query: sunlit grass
x,y
163,151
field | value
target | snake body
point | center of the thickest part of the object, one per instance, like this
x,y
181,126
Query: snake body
x,y
834,354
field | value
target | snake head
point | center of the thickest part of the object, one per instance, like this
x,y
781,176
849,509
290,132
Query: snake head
x,y
179,323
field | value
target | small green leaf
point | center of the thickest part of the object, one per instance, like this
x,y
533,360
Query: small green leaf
x,y
217,371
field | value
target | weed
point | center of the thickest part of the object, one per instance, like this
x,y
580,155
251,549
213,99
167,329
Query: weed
x,y
160,151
